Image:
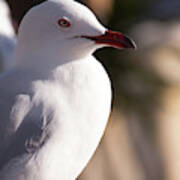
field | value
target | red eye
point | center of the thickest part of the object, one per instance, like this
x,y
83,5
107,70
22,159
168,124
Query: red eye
x,y
64,23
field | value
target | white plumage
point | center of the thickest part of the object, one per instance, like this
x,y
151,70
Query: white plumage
x,y
56,103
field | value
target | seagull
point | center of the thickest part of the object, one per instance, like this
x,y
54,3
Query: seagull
x,y
56,102
7,39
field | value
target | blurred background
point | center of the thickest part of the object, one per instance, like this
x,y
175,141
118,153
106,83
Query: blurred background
x,y
142,140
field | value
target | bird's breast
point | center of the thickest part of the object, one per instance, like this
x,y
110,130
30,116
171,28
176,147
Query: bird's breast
x,y
81,96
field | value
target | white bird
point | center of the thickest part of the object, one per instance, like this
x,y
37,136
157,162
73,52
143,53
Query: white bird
x,y
7,39
56,103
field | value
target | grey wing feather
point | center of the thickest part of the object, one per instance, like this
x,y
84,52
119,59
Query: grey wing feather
x,y
12,115
28,139
23,127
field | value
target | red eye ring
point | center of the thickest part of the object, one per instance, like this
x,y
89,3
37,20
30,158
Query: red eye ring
x,y
64,23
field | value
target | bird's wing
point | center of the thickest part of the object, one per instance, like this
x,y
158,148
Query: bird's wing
x,y
15,102
30,136
13,111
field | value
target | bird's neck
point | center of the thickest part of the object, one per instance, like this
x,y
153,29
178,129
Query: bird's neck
x,y
46,61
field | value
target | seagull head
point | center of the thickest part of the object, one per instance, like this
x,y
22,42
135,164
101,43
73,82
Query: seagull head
x,y
66,28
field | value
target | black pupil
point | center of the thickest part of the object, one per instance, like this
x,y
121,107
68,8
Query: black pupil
x,y
63,22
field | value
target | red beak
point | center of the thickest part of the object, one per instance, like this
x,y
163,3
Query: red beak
x,y
114,39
